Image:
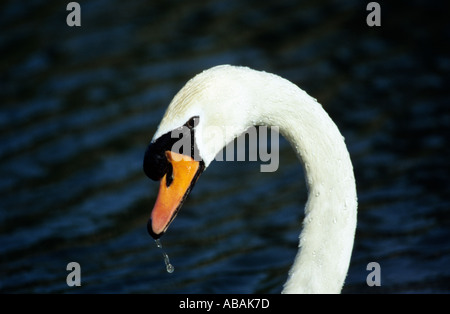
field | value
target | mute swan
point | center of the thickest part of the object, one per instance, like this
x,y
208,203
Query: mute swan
x,y
238,98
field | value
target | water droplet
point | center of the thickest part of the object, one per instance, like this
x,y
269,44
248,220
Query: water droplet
x,y
169,266
334,220
317,194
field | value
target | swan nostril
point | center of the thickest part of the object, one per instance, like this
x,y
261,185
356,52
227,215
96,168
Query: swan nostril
x,y
169,175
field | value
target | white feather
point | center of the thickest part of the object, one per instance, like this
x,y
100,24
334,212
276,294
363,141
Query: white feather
x,y
231,99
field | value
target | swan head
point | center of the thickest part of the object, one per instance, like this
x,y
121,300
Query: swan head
x,y
201,119
221,103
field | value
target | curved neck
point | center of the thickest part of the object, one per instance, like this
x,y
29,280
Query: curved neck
x,y
247,97
329,224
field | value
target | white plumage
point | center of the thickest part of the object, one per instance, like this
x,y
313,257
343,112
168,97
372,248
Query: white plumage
x,y
235,98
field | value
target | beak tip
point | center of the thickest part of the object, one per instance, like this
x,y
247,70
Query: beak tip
x,y
151,232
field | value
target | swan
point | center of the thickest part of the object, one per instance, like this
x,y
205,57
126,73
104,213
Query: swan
x,y
236,98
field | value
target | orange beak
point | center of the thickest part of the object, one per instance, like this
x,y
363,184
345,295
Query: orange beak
x,y
173,191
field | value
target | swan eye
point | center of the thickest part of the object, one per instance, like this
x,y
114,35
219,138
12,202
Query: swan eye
x,y
192,122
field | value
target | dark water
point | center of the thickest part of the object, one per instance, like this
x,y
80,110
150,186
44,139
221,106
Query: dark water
x,y
79,105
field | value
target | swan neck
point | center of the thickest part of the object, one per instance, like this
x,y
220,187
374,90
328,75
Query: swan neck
x,y
329,224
